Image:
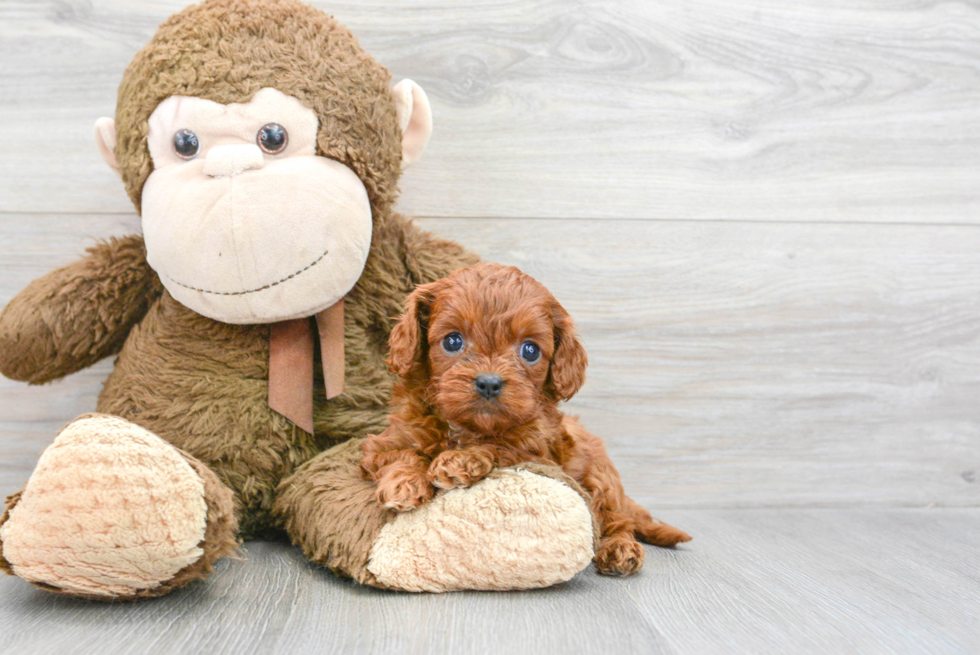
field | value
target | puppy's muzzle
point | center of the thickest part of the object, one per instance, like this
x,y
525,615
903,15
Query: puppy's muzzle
x,y
488,385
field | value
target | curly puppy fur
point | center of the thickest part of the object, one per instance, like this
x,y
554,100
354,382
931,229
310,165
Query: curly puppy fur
x,y
449,429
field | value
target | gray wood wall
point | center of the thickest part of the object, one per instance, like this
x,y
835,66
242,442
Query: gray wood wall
x,y
763,214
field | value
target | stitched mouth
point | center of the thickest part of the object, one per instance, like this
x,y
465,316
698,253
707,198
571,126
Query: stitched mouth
x,y
247,291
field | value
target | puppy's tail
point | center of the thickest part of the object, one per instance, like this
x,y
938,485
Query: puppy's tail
x,y
652,531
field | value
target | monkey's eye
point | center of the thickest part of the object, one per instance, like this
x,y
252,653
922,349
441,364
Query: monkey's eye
x,y
186,144
530,351
452,342
272,138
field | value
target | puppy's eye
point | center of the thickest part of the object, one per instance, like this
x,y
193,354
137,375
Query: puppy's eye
x,y
530,351
272,138
186,144
452,343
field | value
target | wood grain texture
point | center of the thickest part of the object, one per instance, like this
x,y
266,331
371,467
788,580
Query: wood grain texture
x,y
707,109
732,364
770,581
766,581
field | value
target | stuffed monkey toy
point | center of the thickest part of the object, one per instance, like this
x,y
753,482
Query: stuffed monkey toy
x,y
262,147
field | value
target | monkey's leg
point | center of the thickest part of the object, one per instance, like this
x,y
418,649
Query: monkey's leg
x,y
114,512
519,528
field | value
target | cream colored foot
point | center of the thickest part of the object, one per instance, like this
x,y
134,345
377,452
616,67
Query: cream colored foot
x,y
110,510
513,530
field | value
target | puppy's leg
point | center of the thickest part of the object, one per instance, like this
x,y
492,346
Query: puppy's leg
x,y
619,552
400,472
621,520
651,530
461,468
403,485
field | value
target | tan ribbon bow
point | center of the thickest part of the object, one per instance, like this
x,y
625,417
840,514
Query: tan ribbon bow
x,y
291,350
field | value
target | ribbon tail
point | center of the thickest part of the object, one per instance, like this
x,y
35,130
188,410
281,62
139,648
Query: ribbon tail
x,y
291,371
330,324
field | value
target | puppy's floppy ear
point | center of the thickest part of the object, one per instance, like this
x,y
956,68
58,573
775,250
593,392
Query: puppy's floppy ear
x,y
567,374
408,344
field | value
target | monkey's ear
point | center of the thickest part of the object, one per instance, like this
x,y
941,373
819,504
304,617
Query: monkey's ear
x,y
414,119
105,141
567,374
409,341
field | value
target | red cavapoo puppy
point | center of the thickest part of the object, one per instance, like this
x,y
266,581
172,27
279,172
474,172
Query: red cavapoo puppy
x,y
484,357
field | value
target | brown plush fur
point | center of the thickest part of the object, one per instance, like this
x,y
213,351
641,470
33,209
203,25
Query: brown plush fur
x,y
443,433
203,385
327,492
11,502
226,50
74,316
197,383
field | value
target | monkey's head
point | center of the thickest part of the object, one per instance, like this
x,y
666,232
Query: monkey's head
x,y
260,142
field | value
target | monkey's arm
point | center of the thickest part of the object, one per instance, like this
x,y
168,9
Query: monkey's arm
x,y
429,257
78,314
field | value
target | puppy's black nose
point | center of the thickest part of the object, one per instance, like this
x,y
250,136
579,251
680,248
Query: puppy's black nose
x,y
488,385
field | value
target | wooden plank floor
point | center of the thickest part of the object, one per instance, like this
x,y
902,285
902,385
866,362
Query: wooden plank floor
x,y
753,581
765,217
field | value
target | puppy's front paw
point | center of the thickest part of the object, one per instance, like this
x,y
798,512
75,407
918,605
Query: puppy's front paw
x,y
459,468
619,555
402,488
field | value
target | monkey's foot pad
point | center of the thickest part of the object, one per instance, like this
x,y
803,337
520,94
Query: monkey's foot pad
x,y
110,510
514,530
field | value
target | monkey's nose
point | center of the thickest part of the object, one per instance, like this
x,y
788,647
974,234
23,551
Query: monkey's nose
x,y
488,385
224,161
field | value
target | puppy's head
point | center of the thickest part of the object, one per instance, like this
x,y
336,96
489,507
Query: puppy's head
x,y
489,346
